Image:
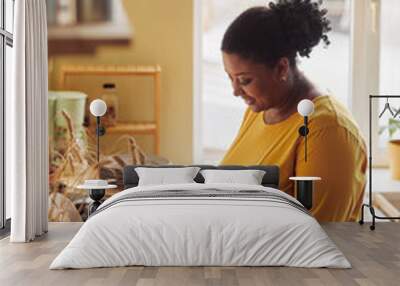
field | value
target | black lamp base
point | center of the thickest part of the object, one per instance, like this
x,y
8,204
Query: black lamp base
x,y
96,195
304,193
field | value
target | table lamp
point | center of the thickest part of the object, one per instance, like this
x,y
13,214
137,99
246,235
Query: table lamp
x,y
98,108
97,187
305,108
304,185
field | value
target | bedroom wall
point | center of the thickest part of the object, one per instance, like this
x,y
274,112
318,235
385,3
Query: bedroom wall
x,y
162,35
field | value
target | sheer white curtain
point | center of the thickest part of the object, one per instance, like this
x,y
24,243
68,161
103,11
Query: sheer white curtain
x,y
26,124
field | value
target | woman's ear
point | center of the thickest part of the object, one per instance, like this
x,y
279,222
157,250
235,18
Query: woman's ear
x,y
282,69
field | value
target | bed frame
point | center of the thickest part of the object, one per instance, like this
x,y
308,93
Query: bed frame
x,y
270,179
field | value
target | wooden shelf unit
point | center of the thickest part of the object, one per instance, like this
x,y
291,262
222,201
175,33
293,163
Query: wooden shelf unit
x,y
131,128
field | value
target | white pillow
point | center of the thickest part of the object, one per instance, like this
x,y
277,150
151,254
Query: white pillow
x,y
248,177
162,176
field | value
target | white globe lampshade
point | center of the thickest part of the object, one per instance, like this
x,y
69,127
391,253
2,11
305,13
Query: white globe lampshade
x,y
98,107
305,107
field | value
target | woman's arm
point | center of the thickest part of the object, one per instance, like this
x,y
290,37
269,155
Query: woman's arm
x,y
339,158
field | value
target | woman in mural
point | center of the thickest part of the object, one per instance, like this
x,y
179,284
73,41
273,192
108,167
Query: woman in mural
x,y
260,49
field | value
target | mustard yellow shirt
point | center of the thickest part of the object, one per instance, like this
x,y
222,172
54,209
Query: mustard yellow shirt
x,y
336,153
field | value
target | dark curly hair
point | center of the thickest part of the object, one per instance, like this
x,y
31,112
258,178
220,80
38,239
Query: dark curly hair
x,y
283,29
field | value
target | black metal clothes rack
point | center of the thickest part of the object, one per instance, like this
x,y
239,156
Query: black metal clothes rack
x,y
369,205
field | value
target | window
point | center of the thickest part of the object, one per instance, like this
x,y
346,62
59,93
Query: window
x,y
6,62
389,63
329,67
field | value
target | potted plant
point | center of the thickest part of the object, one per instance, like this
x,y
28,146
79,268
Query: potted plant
x,y
393,147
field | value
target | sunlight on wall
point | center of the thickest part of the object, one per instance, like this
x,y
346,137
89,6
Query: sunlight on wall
x,y
163,34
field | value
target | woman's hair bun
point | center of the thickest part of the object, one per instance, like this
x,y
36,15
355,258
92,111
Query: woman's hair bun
x,y
284,28
303,22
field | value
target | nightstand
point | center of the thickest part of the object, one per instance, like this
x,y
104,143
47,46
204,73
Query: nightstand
x,y
304,190
97,190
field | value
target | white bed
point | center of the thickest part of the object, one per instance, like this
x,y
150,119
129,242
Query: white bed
x,y
185,230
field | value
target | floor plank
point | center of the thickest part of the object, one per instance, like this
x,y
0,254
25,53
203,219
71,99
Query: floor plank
x,y
374,255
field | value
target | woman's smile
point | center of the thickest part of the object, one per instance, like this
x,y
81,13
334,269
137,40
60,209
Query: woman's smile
x,y
249,100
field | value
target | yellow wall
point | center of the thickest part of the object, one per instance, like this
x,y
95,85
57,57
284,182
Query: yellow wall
x,y
162,35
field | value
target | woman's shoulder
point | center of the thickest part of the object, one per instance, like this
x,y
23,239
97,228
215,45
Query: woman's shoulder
x,y
330,113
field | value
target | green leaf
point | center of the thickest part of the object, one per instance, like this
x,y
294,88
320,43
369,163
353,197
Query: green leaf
x,y
394,122
392,130
393,126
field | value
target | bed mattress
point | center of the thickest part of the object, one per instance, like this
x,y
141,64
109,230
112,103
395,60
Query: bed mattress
x,y
201,225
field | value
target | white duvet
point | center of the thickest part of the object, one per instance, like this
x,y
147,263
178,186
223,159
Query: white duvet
x,y
200,231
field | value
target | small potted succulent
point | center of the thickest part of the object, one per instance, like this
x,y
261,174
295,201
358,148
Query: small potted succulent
x,y
393,147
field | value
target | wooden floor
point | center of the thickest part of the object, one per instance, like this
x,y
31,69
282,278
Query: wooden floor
x,y
375,257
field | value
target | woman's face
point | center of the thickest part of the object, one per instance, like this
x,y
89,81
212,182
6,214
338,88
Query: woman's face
x,y
258,85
